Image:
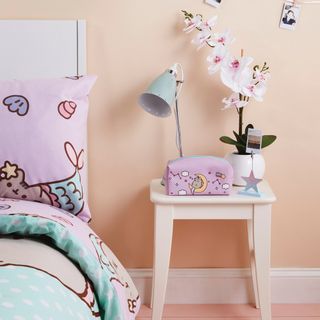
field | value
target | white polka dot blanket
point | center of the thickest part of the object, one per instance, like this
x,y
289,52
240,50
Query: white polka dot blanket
x,y
48,285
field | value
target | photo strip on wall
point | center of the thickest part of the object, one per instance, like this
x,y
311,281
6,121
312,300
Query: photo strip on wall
x,y
214,3
290,14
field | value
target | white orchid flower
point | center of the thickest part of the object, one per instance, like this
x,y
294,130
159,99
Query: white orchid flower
x,y
261,76
210,23
205,32
224,38
201,38
255,90
235,73
216,58
234,102
192,23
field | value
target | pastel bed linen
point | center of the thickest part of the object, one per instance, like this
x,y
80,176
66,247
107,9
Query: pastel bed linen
x,y
43,141
39,282
115,292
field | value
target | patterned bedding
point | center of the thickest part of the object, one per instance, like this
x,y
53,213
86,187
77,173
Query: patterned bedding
x,y
42,250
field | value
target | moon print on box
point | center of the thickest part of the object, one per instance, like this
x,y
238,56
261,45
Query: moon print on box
x,y
198,176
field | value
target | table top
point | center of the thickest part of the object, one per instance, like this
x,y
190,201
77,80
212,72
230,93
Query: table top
x,y
158,195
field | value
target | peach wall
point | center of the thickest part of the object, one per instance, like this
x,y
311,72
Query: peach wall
x,y
129,42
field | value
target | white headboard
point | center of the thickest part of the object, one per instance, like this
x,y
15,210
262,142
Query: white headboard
x,y
42,48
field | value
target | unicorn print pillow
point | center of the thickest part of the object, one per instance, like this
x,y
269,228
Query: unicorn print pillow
x,y
43,141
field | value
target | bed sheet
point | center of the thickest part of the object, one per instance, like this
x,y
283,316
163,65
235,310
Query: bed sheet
x,y
106,290
40,282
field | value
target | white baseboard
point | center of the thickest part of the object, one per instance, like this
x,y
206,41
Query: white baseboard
x,y
223,286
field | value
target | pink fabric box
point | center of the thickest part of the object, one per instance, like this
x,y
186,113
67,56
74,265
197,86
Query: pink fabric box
x,y
198,175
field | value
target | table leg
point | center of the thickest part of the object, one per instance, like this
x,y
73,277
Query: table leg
x,y
252,262
261,240
163,227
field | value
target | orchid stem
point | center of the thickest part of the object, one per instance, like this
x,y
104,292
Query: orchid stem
x,y
240,121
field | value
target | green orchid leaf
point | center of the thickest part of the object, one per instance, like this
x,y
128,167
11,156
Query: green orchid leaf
x,y
249,126
267,140
236,135
239,149
228,140
242,150
241,139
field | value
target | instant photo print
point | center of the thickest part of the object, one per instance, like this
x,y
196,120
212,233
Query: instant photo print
x,y
214,3
254,141
290,15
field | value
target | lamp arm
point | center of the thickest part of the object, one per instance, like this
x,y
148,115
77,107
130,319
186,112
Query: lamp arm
x,y
180,82
176,109
178,132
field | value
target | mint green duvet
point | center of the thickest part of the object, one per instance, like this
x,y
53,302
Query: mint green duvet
x,y
35,289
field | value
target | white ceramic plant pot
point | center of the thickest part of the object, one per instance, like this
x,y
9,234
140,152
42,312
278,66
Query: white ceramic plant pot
x,y
242,165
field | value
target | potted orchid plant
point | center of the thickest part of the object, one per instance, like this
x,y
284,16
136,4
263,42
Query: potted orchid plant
x,y
246,82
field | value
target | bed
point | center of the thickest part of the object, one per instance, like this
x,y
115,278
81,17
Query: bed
x,y
52,264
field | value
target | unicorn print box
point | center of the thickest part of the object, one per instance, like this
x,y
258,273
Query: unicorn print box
x,y
198,175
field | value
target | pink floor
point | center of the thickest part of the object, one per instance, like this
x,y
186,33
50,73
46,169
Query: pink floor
x,y
234,311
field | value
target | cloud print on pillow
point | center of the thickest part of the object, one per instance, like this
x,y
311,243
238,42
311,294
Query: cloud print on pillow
x,y
17,103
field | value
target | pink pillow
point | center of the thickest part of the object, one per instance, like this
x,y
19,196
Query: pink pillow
x,y
43,139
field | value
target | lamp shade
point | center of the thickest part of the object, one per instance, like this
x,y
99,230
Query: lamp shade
x,y
160,95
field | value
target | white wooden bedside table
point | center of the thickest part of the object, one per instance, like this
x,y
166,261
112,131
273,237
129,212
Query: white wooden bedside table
x,y
257,212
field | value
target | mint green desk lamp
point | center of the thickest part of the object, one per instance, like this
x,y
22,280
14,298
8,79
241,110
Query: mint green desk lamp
x,y
161,94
